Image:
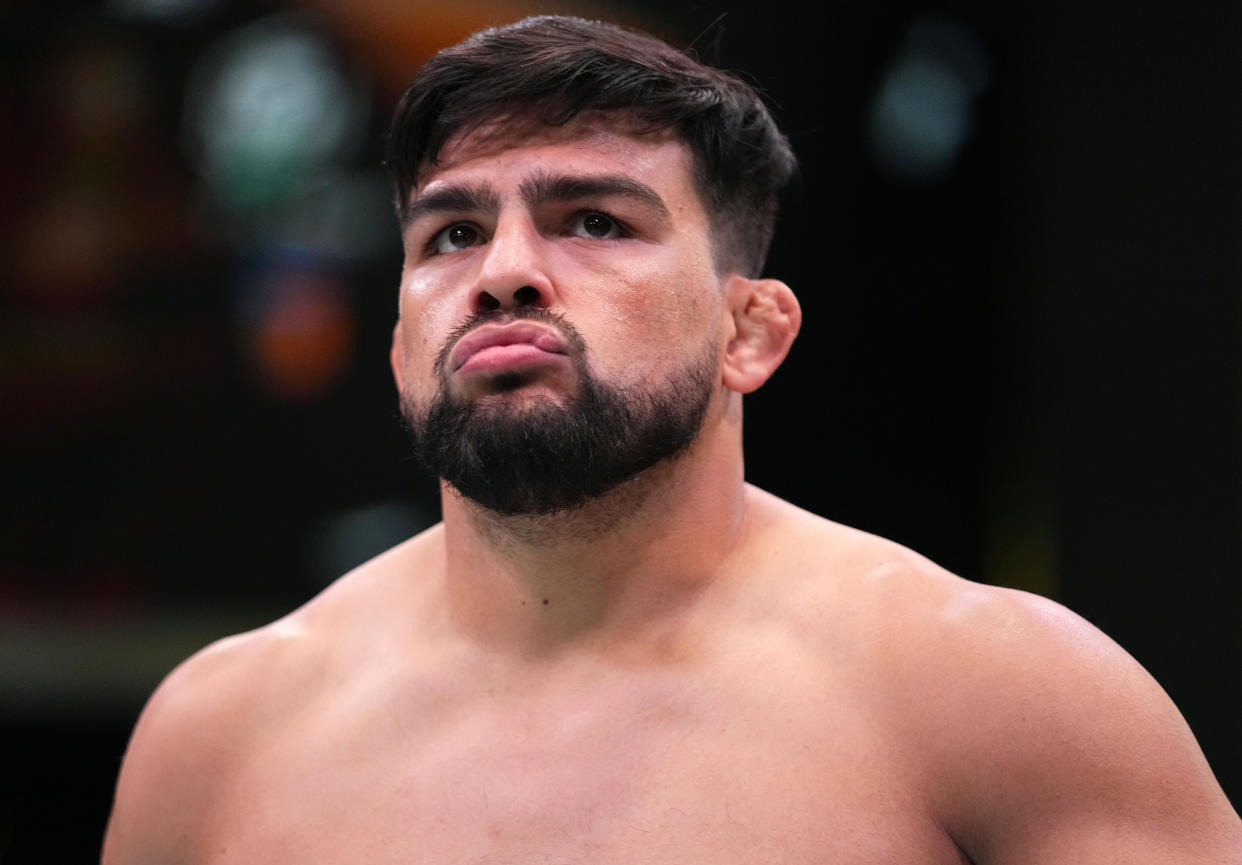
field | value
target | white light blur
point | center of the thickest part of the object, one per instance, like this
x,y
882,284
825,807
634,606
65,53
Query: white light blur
x,y
268,105
922,114
165,11
345,215
348,539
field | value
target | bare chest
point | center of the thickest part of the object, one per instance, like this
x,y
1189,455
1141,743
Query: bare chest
x,y
731,771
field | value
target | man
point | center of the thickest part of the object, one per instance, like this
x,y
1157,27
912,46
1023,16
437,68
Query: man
x,y
612,649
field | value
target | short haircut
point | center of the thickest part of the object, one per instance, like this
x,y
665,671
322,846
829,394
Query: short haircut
x,y
552,68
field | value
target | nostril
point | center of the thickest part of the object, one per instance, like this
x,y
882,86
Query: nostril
x,y
486,301
526,295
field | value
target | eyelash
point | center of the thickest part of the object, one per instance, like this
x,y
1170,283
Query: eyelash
x,y
622,230
430,248
619,226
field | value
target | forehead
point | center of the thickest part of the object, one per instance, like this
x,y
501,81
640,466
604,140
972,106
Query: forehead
x,y
592,142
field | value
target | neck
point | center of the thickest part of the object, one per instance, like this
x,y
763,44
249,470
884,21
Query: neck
x,y
615,564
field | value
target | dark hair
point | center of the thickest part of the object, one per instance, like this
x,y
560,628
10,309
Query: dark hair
x,y
552,68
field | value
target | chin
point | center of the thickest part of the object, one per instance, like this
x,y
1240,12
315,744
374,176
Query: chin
x,y
516,390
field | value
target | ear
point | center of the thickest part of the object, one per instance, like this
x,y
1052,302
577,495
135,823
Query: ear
x,y
396,357
765,319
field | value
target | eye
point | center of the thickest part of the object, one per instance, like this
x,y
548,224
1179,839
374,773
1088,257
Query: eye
x,y
457,236
596,225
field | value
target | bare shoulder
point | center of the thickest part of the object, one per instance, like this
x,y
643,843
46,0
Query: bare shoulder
x,y
1053,744
1041,739
185,740
201,723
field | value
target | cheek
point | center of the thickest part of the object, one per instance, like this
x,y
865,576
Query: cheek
x,y
674,291
419,325
655,324
688,304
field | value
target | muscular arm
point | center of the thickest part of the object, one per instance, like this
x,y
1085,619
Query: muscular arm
x,y
1055,746
181,749
150,813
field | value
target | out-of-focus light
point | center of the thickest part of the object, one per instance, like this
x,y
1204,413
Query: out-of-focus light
x,y
109,204
922,112
297,329
267,106
339,214
348,539
167,11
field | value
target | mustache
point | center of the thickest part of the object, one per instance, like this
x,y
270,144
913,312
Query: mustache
x,y
577,345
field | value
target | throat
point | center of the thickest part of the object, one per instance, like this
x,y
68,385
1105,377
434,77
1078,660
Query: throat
x,y
631,557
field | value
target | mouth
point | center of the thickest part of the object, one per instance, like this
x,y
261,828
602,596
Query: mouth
x,y
503,347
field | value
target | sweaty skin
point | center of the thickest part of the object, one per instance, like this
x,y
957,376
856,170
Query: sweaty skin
x,y
688,670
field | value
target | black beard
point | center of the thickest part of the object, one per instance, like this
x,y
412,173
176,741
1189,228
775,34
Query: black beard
x,y
542,457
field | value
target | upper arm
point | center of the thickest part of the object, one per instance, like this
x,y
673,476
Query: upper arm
x,y
142,828
1055,746
177,754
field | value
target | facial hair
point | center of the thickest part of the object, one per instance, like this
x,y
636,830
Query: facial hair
x,y
542,457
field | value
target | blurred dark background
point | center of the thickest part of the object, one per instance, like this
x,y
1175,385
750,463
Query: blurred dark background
x,y
1016,242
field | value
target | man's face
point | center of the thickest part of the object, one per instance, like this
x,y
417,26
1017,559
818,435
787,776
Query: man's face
x,y
561,312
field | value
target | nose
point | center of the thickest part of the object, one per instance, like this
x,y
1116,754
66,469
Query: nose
x,y
513,272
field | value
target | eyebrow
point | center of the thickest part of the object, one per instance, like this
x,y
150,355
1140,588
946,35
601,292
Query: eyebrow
x,y
542,188
456,198
547,188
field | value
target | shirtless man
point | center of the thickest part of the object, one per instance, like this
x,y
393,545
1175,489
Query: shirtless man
x,y
613,650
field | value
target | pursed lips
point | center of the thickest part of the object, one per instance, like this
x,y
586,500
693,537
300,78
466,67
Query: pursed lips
x,y
487,336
